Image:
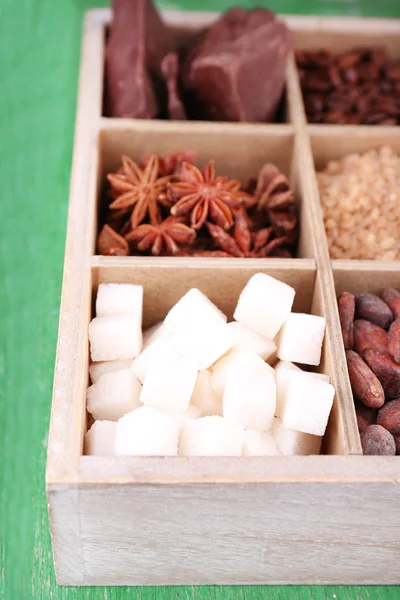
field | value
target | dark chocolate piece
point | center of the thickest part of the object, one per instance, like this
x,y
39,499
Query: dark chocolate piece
x,y
170,71
137,43
237,72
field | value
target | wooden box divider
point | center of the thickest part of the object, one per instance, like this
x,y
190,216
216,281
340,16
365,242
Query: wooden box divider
x,y
123,521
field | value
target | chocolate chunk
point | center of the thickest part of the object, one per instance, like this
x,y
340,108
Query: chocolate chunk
x,y
170,71
137,43
237,72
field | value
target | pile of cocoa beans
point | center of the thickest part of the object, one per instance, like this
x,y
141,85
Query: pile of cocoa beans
x,y
371,336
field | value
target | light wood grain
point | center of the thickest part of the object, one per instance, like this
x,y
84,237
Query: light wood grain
x,y
231,533
68,407
268,520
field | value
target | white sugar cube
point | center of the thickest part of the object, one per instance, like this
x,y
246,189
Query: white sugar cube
x,y
321,376
246,339
203,341
119,299
259,443
300,339
154,334
211,436
193,306
283,370
307,404
220,369
191,413
151,355
203,396
249,397
96,370
264,304
100,438
169,383
295,443
147,432
115,338
113,395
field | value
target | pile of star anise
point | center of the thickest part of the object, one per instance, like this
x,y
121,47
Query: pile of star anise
x,y
169,207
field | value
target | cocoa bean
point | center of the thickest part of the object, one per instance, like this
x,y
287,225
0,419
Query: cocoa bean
x,y
377,441
317,83
363,104
350,75
386,370
392,299
346,305
365,385
348,59
372,308
394,340
393,71
365,416
374,118
389,416
354,119
314,103
388,121
369,72
369,335
335,117
397,442
379,56
334,76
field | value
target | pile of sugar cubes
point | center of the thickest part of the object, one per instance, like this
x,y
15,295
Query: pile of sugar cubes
x,y
195,385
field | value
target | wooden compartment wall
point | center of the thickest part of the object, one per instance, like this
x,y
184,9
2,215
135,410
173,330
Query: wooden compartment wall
x,y
272,520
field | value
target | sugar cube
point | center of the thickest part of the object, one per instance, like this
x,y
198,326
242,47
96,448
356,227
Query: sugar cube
x,y
220,369
115,338
300,339
249,397
96,370
191,413
211,436
307,404
203,396
169,383
246,339
283,369
321,376
119,299
264,304
193,306
100,438
259,443
113,395
295,443
147,432
152,354
202,341
154,334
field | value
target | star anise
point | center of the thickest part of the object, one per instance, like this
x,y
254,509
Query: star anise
x,y
245,243
140,188
203,196
160,237
275,198
110,243
170,164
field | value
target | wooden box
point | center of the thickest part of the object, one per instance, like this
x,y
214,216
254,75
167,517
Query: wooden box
x,y
333,518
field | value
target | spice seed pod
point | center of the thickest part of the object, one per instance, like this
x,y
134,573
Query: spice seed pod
x,y
346,304
365,385
372,308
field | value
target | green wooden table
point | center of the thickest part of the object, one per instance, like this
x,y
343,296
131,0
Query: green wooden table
x,y
39,59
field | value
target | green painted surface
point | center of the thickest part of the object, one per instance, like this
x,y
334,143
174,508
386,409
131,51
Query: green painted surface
x,y
39,58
